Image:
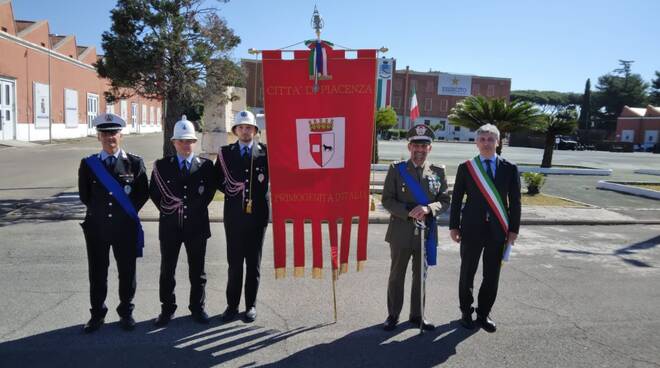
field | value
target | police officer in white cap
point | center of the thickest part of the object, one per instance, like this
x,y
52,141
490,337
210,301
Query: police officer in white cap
x,y
243,178
113,186
182,187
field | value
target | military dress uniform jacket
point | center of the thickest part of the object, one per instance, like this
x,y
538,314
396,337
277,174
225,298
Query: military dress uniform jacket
x,y
398,199
105,219
257,184
196,190
472,217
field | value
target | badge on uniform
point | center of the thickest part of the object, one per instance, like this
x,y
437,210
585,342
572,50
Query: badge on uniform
x,y
127,189
261,178
200,190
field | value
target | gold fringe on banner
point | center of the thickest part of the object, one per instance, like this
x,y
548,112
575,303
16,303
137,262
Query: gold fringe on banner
x,y
280,273
343,268
335,274
299,272
317,273
360,266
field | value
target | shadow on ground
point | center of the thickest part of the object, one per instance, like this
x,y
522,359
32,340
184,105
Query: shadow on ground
x,y
62,207
624,253
370,347
182,343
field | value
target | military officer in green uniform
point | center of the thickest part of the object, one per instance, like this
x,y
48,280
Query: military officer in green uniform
x,y
404,208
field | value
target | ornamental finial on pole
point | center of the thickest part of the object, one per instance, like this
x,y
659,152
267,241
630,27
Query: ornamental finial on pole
x,y
317,22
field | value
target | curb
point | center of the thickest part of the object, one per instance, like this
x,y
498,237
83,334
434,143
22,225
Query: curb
x,y
381,220
551,171
623,188
648,172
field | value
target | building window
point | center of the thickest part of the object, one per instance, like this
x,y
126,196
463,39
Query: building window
x,y
143,116
134,113
398,84
92,108
109,108
123,110
427,122
457,128
475,90
444,104
158,116
396,102
429,86
152,115
491,90
428,104
413,84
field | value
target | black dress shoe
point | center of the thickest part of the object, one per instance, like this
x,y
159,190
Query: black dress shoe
x,y
163,319
487,324
228,315
127,323
466,321
201,317
426,325
390,323
93,324
251,314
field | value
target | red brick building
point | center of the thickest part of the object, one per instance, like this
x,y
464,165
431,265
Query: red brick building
x,y
639,125
437,93
50,89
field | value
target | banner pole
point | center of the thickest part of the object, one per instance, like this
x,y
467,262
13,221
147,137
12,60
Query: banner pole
x,y
334,292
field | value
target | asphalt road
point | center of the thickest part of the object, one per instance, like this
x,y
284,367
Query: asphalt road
x,y
570,297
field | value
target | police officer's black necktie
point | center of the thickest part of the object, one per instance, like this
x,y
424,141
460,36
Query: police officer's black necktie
x,y
489,170
184,168
245,151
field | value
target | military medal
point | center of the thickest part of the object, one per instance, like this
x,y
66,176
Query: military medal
x,y
200,190
127,189
261,178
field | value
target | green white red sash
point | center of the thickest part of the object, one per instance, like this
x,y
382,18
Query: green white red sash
x,y
488,190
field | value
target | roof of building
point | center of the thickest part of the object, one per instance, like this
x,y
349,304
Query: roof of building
x,y
632,112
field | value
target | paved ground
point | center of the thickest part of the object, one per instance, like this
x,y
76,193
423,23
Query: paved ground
x,y
572,296
569,297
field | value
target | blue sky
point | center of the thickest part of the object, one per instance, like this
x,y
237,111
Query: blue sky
x,y
545,45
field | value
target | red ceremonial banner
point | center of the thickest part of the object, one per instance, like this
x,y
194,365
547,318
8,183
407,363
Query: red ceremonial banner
x,y
319,151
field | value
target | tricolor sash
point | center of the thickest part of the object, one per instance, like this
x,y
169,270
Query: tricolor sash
x,y
422,199
115,190
488,190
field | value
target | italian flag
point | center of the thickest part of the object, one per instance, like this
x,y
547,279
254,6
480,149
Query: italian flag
x,y
414,109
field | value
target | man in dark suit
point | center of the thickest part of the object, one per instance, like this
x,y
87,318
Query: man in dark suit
x,y
182,187
107,223
243,178
404,209
482,225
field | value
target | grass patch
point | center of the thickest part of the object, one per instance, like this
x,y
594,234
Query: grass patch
x,y
651,186
557,166
547,200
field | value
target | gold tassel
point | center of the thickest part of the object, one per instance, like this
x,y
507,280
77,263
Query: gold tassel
x,y
360,266
373,204
248,207
343,268
280,273
299,272
335,274
317,273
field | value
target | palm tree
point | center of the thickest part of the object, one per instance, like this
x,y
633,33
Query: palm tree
x,y
475,111
559,122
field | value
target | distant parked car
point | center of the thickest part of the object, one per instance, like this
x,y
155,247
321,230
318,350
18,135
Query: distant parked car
x,y
567,144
